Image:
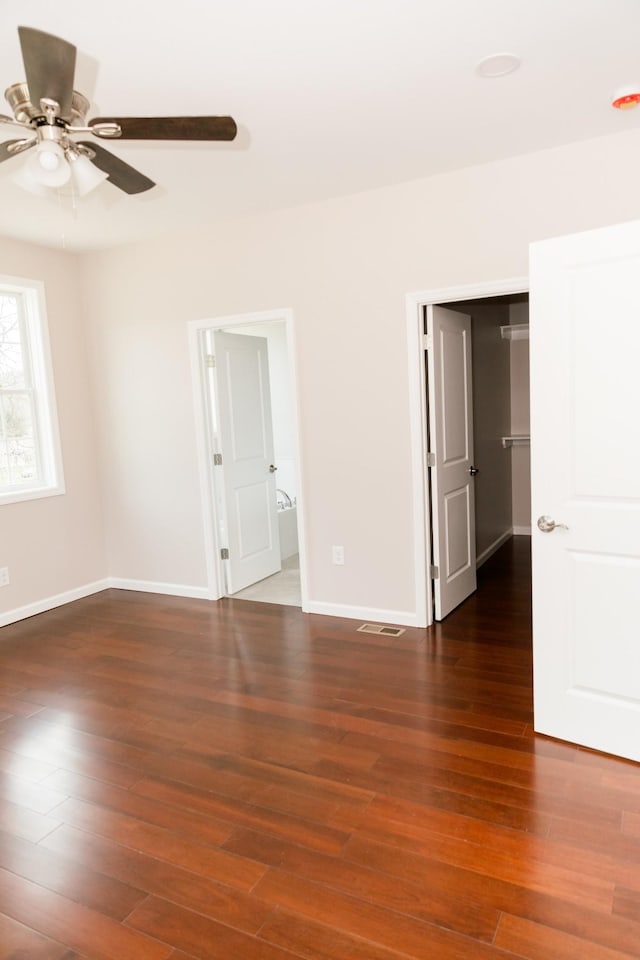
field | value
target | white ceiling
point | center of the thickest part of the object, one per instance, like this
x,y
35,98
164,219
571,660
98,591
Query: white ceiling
x,y
331,97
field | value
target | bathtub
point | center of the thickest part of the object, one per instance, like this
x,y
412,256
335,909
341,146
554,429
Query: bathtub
x,y
288,527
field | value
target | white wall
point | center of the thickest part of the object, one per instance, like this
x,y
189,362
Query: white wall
x,y
344,267
491,422
520,423
55,545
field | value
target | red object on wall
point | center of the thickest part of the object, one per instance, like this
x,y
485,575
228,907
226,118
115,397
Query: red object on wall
x,y
625,99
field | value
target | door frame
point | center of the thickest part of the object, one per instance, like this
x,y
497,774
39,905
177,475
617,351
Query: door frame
x,y
418,419
210,511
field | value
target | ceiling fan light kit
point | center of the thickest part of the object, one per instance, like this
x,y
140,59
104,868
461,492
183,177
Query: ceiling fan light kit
x,y
48,166
51,114
26,181
85,176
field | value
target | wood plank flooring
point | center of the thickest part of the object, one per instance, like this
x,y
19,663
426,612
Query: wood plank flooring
x,y
181,780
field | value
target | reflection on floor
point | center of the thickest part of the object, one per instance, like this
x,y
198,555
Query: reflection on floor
x,y
283,587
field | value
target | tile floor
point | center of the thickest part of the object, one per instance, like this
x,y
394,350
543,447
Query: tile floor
x,y
283,587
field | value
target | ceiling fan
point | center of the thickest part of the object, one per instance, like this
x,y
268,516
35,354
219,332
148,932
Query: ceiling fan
x,y
52,116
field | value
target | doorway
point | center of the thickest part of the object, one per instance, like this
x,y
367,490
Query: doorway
x,y
501,418
585,562
493,530
246,411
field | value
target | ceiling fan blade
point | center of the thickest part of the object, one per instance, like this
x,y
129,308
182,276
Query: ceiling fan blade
x,y
50,65
171,128
5,150
12,122
119,173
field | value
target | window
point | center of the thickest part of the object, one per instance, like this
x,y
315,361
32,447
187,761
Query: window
x,y
30,464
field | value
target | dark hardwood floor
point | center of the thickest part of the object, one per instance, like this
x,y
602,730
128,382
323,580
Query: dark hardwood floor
x,y
239,781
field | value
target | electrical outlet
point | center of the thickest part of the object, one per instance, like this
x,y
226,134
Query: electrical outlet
x,y
4,576
337,554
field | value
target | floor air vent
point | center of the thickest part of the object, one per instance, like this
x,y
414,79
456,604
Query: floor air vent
x,y
378,628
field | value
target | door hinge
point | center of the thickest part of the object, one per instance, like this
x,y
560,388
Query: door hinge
x,y
428,341
210,360
435,572
224,553
217,459
431,459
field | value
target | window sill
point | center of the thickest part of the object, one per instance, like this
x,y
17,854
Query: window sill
x,y
33,493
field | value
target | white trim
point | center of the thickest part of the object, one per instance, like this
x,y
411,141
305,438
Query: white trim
x,y
493,547
47,433
167,589
417,382
116,583
401,618
415,302
195,330
33,493
210,531
499,541
49,603
344,611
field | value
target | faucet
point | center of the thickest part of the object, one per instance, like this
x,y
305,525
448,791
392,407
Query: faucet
x,y
285,497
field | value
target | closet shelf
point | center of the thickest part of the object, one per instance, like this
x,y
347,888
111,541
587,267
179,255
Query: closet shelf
x,y
515,331
517,441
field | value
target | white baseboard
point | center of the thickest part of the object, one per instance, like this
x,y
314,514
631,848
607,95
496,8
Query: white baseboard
x,y
169,589
145,586
491,549
49,603
401,618
497,543
345,611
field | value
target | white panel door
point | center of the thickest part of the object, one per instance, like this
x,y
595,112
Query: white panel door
x,y
246,441
585,435
451,442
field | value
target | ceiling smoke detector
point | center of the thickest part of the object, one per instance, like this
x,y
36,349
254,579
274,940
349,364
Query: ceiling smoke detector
x,y
626,97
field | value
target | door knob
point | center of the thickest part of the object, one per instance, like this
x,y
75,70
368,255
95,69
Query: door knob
x,y
473,471
272,469
547,525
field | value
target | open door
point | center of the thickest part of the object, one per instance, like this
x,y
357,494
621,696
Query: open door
x,y
585,401
248,488
451,457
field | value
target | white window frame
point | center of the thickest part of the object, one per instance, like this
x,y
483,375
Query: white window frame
x,y
50,479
